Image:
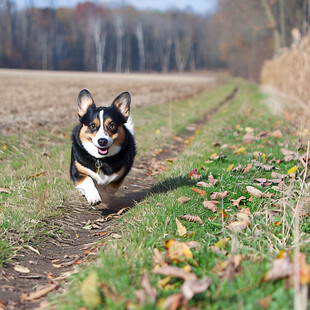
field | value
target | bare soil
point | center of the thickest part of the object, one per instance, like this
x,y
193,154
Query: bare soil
x,y
33,99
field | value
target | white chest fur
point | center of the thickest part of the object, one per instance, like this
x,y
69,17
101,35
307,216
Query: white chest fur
x,y
101,178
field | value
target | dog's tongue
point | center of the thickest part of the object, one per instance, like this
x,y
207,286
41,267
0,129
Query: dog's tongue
x,y
103,151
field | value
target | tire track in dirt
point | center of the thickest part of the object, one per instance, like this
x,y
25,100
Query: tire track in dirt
x,y
69,244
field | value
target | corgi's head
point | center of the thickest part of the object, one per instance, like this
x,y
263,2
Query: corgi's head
x,y
102,129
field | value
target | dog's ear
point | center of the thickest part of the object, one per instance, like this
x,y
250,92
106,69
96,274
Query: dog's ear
x,y
122,102
85,101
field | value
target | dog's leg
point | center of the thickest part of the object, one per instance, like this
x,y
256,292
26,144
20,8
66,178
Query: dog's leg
x,y
113,187
87,188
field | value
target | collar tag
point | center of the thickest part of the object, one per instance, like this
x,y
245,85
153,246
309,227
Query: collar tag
x,y
98,165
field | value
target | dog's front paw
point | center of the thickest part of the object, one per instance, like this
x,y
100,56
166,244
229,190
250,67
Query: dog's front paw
x,y
93,197
88,189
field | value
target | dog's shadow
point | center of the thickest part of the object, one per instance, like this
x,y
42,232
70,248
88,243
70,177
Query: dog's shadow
x,y
129,198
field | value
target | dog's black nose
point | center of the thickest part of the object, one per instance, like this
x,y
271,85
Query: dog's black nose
x,y
103,142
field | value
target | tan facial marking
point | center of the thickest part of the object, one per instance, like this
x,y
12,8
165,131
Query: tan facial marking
x,y
97,122
120,138
115,135
85,134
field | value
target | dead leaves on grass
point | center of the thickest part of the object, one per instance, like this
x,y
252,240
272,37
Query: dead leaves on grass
x,y
192,218
179,252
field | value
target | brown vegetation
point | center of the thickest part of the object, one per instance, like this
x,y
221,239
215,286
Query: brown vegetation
x,y
289,74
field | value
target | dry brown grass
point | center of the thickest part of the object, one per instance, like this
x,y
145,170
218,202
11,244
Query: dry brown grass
x,y
33,99
289,75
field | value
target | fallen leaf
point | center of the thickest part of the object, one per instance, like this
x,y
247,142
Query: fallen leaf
x,y
219,195
180,228
249,138
194,174
216,144
238,225
214,156
4,190
158,258
199,191
21,269
249,129
192,218
39,293
173,302
163,282
237,168
265,302
286,152
276,134
241,150
276,175
211,179
281,268
263,134
172,271
90,290
193,245
140,296
226,269
304,269
237,202
123,210
243,217
256,192
150,291
292,170
229,168
38,174
183,199
203,184
223,214
259,155
247,168
191,287
65,264
266,167
245,211
222,243
179,252
210,205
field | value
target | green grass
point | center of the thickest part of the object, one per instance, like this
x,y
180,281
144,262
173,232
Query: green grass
x,y
152,223
39,185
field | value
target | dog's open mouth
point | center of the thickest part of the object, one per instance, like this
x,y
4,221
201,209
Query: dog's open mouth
x,y
103,150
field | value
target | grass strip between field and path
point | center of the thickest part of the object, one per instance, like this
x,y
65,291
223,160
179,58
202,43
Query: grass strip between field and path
x,y
35,185
247,220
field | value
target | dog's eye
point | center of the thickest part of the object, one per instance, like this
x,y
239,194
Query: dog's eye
x,y
112,126
93,126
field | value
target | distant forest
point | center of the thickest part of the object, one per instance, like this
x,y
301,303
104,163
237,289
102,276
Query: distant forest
x,y
239,36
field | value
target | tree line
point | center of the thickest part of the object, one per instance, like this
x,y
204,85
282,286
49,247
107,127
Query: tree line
x,y
95,37
239,36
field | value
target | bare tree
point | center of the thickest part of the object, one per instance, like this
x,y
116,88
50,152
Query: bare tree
x,y
139,35
95,25
162,25
182,43
119,29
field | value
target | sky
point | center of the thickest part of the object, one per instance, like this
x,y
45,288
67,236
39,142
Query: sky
x,y
198,6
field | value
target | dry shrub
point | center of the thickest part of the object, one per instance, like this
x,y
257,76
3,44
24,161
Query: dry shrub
x,y
289,74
